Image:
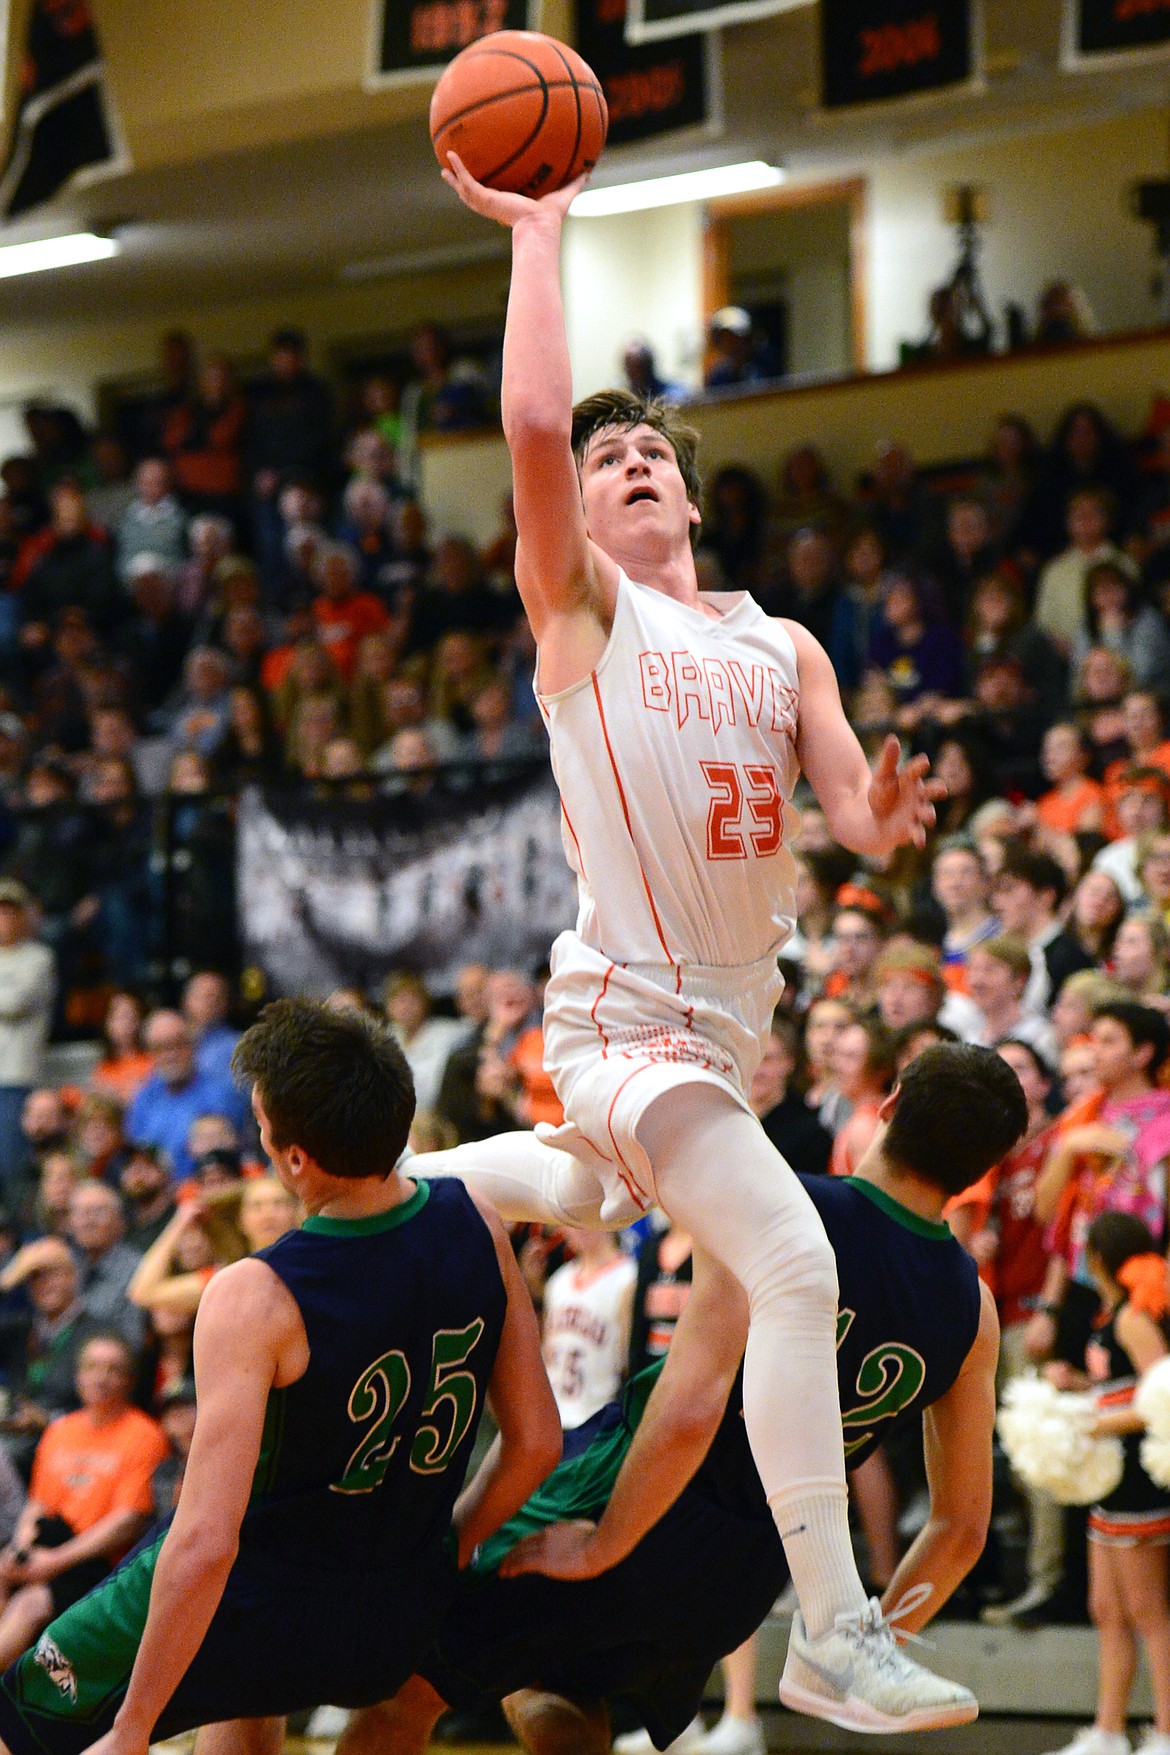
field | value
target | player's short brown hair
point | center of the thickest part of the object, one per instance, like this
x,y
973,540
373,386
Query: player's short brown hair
x,y
625,409
958,1110
334,1083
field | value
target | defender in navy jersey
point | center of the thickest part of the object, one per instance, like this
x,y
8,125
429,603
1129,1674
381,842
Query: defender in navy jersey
x,y
340,1377
648,1594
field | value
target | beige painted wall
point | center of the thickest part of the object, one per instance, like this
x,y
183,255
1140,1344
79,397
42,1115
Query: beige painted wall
x,y
1057,209
940,413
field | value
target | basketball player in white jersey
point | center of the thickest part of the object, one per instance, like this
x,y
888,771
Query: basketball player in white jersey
x,y
585,1329
678,725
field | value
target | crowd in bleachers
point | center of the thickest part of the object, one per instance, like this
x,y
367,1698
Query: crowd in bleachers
x,y
236,584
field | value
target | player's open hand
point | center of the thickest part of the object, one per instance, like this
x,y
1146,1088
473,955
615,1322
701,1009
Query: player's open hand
x,y
902,798
502,205
563,1550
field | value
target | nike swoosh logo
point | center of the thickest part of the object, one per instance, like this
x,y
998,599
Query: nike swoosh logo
x,y
840,1681
785,1535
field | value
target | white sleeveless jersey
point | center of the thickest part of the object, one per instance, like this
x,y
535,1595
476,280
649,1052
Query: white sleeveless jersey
x,y
586,1336
676,763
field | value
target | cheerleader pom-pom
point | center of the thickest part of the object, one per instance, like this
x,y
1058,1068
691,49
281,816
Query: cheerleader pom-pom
x,y
1155,1458
1046,1434
1153,1399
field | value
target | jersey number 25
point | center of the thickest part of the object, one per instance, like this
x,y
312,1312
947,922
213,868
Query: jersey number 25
x,y
380,1394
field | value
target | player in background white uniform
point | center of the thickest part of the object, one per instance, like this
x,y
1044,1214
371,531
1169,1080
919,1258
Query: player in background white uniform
x,y
677,725
585,1328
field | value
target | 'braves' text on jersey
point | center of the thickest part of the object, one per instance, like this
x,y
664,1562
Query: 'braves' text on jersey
x,y
676,762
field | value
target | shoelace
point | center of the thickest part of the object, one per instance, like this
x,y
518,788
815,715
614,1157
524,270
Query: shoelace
x,y
871,1621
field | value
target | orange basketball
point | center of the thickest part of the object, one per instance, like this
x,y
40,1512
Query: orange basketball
x,y
522,111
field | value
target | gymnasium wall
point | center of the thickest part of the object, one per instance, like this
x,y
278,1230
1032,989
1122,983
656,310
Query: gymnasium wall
x,y
942,412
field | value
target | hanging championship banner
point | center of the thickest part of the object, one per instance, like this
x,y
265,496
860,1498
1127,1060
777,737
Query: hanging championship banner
x,y
873,51
1100,32
415,39
650,21
63,124
650,88
339,892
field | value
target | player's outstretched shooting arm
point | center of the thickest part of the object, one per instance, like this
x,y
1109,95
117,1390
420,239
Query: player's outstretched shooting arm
x,y
559,573
249,1338
957,1440
674,1434
527,1446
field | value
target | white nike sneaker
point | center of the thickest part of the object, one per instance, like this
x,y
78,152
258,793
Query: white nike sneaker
x,y
1091,1741
857,1676
733,1736
638,1742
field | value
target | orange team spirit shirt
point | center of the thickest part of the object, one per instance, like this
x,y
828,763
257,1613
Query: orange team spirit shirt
x,y
343,624
84,1470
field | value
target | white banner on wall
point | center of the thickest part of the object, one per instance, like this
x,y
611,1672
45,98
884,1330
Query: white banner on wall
x,y
649,21
337,893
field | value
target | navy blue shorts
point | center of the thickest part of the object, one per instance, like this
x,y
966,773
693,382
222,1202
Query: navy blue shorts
x,y
651,1629
281,1640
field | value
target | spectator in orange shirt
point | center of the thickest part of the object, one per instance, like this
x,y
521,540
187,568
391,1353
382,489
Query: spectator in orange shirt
x,y
1144,732
89,1500
125,1066
1074,802
866,1064
343,614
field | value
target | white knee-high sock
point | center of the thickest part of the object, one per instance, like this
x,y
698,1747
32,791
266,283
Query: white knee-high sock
x,y
717,1174
526,1181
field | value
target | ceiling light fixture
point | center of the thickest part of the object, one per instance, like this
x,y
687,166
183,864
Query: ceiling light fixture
x,y
66,252
669,191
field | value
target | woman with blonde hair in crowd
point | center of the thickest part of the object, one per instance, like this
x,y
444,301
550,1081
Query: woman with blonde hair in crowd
x,y
1153,869
176,1270
378,657
1141,956
1073,1009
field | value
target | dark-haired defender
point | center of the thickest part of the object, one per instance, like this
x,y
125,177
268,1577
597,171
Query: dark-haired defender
x,y
340,1376
677,726
644,1595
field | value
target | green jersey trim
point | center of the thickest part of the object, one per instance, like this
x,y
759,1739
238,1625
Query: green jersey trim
x,y
321,1226
896,1211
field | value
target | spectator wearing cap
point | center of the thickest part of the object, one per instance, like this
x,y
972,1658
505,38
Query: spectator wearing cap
x,y
107,1264
154,643
1143,796
177,1093
27,990
147,1195
1029,893
998,972
206,1002
89,1497
153,523
732,354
